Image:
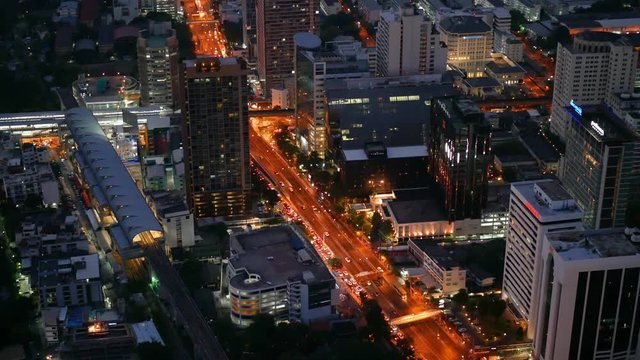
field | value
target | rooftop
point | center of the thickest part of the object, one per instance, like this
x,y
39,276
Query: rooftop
x,y
565,210
464,25
276,255
437,253
499,66
593,244
481,82
415,206
394,152
601,123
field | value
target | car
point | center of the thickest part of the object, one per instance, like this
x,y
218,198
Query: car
x,y
347,259
380,269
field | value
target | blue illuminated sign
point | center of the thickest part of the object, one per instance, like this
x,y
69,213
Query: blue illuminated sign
x,y
575,107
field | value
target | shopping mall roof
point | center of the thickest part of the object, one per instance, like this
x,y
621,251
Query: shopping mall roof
x,y
110,181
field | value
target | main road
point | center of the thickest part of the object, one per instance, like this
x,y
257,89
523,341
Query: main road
x,y
207,38
429,339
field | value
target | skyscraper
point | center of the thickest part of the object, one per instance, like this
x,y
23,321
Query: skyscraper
x,y
166,6
601,165
249,24
535,209
408,44
276,23
459,150
216,136
589,71
158,65
589,306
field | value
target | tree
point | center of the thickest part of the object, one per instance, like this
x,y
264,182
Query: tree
x,y
377,326
517,20
335,263
153,351
520,333
33,201
386,230
461,298
191,273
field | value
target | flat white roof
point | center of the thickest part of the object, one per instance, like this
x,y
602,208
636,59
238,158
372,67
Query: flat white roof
x,y
91,269
146,332
394,152
110,176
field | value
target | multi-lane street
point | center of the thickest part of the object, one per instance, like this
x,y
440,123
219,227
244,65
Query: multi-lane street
x,y
430,340
207,38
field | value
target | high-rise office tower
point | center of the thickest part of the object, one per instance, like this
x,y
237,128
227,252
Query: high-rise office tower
x,y
535,209
589,306
589,71
249,24
158,65
460,154
276,23
408,44
469,40
216,136
601,165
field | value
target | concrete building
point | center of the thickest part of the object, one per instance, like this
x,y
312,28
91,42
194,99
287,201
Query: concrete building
x,y
166,6
175,218
125,10
393,110
249,26
370,10
276,23
448,275
316,64
73,280
469,41
503,69
537,208
460,155
106,92
506,43
99,340
407,43
216,138
590,71
272,271
530,8
25,170
601,165
158,65
330,7
589,302
376,168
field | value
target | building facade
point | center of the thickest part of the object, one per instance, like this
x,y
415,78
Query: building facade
x,y
589,301
447,273
158,65
315,64
460,154
407,43
536,208
469,41
591,71
276,23
216,136
601,165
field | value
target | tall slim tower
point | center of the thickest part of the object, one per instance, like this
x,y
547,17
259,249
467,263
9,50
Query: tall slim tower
x,y
216,136
276,23
408,44
459,149
158,65
536,208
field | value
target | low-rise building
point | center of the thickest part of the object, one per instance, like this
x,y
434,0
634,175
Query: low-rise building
x,y
175,218
106,92
482,87
99,340
370,10
505,70
272,271
506,43
449,277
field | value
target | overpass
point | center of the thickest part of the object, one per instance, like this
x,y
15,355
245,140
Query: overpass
x,y
529,102
408,319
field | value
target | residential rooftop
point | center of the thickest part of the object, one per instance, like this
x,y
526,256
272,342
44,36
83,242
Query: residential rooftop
x,y
464,25
416,206
436,252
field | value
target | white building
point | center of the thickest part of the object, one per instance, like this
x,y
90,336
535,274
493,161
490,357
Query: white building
x,y
71,280
271,271
506,43
469,41
589,296
592,70
158,65
442,268
175,218
125,10
536,208
530,8
330,7
408,44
